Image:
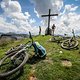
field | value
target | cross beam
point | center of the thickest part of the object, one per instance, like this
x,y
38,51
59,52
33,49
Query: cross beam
x,y
49,15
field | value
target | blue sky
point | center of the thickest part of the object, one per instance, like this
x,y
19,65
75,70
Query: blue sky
x,y
27,6
67,10
1,11
75,2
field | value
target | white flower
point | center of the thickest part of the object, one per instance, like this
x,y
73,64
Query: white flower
x,y
60,52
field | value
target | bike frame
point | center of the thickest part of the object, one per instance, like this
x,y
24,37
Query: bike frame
x,y
23,47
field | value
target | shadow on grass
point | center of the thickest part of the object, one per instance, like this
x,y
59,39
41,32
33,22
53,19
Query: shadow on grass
x,y
34,59
14,76
18,75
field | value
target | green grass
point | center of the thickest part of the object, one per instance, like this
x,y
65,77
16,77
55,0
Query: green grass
x,y
50,68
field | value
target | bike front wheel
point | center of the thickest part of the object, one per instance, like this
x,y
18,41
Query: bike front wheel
x,y
67,44
7,67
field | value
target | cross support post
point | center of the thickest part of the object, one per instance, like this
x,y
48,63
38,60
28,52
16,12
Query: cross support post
x,y
49,15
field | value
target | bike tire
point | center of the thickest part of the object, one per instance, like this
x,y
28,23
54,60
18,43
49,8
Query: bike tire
x,y
68,48
5,74
18,47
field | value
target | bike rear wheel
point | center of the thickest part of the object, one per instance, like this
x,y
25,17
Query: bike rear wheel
x,y
14,69
65,44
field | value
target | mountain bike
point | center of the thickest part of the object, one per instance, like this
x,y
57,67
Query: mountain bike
x,y
15,58
57,39
70,43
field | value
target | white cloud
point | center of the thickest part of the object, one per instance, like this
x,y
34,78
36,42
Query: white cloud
x,y
66,20
42,6
70,7
20,22
17,15
36,13
23,22
58,4
32,21
27,15
12,9
6,27
10,6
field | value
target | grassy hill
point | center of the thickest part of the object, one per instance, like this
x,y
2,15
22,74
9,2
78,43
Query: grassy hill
x,y
52,67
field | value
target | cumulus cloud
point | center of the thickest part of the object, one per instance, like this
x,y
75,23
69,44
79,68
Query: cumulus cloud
x,y
27,15
67,19
67,23
19,22
32,21
6,27
10,6
42,6
12,9
69,8
36,13
23,22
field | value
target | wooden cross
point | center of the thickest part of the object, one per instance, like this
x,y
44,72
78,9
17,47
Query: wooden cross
x,y
49,15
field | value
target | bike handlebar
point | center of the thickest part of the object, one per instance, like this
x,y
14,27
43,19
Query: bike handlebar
x,y
30,36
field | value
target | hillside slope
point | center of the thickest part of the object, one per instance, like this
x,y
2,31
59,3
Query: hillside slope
x,y
52,68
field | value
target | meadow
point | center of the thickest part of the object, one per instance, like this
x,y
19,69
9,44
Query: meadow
x,y
52,67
